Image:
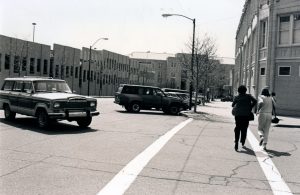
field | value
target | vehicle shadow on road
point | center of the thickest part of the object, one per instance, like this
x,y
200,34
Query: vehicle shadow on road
x,y
145,112
288,126
55,128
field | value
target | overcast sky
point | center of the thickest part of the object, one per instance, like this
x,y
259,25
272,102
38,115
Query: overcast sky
x,y
130,25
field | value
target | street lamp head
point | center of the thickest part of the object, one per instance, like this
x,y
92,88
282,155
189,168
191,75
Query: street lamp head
x,y
166,15
105,38
34,23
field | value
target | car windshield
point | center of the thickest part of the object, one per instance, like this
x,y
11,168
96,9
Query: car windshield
x,y
51,86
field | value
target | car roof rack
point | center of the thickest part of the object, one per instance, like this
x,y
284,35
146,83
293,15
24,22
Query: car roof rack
x,y
38,77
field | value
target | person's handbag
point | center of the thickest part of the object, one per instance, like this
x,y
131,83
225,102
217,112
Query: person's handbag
x,y
233,111
251,116
274,120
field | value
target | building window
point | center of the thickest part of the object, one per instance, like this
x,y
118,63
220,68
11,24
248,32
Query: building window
x,y
24,64
31,65
7,62
67,71
263,41
51,68
84,75
284,26
91,76
71,71
76,72
17,64
296,30
38,66
262,71
284,71
45,67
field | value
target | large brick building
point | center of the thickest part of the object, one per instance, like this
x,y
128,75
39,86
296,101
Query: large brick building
x,y
268,51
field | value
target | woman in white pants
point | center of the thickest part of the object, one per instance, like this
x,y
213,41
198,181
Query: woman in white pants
x,y
265,109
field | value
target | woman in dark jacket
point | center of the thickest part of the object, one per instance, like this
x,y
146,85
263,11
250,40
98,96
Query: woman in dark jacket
x,y
243,104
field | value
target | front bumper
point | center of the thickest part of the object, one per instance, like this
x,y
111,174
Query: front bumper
x,y
73,114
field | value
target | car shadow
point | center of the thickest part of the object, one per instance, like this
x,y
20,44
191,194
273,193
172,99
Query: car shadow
x,y
148,113
287,126
55,128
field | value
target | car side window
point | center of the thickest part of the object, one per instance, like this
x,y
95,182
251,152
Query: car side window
x,y
148,91
18,86
27,86
8,85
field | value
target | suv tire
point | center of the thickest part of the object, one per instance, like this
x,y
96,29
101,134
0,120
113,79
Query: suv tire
x,y
135,107
84,122
8,114
174,110
42,119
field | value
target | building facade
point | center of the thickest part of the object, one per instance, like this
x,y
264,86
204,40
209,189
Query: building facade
x,y
89,71
268,51
23,58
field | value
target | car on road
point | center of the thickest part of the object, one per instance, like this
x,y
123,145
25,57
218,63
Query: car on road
x,y
139,97
46,99
227,99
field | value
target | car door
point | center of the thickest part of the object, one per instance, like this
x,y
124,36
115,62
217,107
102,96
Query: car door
x,y
26,103
15,95
150,98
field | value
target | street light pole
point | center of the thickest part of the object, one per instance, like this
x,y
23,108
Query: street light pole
x,y
90,58
192,58
33,31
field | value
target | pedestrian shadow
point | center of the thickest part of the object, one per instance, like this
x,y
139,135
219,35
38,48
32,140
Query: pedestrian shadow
x,y
273,153
288,126
247,150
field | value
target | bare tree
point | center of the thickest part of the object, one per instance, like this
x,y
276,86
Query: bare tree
x,y
204,64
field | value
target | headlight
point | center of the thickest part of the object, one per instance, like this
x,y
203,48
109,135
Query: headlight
x,y
56,105
92,104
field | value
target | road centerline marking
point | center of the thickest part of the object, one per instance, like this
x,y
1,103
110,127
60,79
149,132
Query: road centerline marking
x,y
122,181
278,185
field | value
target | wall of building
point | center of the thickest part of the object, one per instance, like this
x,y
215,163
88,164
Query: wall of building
x,y
277,38
23,58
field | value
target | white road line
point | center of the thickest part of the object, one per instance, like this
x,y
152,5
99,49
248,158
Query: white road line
x,y
121,182
272,174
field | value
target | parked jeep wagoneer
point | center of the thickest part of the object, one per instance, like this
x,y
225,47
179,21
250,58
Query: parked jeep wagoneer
x,y
47,99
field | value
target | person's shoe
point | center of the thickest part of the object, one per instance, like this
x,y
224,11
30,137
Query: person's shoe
x,y
261,141
236,147
243,144
265,147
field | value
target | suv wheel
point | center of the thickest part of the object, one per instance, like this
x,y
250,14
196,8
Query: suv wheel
x,y
8,114
127,108
174,110
135,107
84,122
42,119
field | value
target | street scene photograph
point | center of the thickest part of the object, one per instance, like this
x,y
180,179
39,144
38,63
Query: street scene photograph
x,y
168,97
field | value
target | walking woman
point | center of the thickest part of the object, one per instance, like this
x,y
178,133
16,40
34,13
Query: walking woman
x,y
264,109
243,104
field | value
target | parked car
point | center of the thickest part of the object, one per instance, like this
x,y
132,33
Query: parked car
x,y
227,99
183,96
46,99
139,97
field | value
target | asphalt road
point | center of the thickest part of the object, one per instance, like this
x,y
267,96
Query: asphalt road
x,y
198,159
